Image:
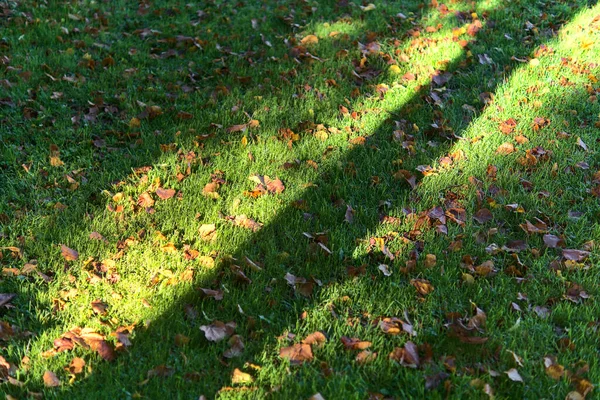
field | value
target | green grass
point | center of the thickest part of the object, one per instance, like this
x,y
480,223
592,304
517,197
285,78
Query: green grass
x,y
75,75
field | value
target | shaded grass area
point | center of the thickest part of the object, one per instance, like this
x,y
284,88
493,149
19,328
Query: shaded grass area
x,y
232,64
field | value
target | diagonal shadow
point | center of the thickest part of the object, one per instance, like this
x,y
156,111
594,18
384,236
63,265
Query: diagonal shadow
x,y
356,170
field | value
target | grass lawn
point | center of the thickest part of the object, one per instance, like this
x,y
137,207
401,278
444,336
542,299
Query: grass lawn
x,y
291,198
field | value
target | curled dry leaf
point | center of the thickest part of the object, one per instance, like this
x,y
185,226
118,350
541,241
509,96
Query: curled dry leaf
x,y
236,347
297,353
430,260
99,307
407,356
218,330
385,269
145,200
553,369
354,343
50,379
395,326
309,39
423,286
514,375
68,253
76,365
315,338
215,294
5,299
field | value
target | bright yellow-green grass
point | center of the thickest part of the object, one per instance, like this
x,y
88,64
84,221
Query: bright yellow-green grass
x,y
414,185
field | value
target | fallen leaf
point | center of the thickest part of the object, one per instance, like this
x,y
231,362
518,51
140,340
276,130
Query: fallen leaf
x,y
407,356
365,357
315,338
241,378
165,194
99,307
215,294
423,286
218,330
430,260
5,299
354,343
575,255
385,269
208,232
297,353
50,379
483,215
76,365
513,375
505,149
309,39
68,253
245,222
236,347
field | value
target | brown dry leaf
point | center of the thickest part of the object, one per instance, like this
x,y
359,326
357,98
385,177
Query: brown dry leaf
x,y
68,253
395,326
76,365
237,128
6,298
215,294
236,347
553,241
55,160
407,356
423,286
96,236
513,375
241,378
483,215
354,343
208,232
145,200
309,39
554,371
315,338
365,357
210,190
274,185
99,307
575,255
297,353
102,348
430,260
505,149
218,330
50,379
165,194
508,126
245,222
